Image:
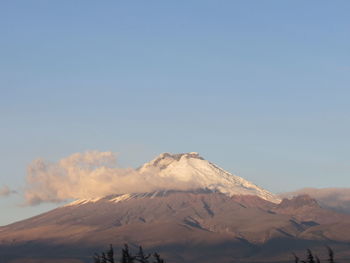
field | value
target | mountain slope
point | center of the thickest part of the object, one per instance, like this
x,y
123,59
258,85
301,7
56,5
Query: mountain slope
x,y
177,224
219,217
173,219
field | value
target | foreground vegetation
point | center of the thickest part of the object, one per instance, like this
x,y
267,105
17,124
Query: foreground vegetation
x,y
127,257
311,258
141,257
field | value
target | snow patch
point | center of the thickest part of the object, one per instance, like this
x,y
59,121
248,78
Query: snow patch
x,y
121,198
82,202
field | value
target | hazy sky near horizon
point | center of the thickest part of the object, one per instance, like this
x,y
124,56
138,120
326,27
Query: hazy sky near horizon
x,y
260,88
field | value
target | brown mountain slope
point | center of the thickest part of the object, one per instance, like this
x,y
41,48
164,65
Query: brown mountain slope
x,y
183,226
305,208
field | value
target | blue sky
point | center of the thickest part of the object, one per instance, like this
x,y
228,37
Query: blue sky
x,y
259,87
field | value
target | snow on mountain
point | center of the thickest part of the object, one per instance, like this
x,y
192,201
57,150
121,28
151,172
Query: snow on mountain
x,y
197,173
191,167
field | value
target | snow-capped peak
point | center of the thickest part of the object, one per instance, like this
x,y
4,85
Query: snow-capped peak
x,y
187,172
192,168
164,159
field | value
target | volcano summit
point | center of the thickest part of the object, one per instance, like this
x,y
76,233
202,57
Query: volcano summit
x,y
190,167
209,215
191,172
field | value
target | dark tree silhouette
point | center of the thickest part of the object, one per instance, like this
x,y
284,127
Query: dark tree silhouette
x,y
296,258
310,258
141,257
110,254
97,258
126,257
157,258
330,255
103,258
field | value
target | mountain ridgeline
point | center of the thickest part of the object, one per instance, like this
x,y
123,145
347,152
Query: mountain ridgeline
x,y
220,218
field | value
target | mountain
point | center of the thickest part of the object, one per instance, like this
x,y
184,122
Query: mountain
x,y
305,208
337,199
191,168
225,218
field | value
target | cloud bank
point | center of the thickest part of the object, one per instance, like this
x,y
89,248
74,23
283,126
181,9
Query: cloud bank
x,y
335,198
90,175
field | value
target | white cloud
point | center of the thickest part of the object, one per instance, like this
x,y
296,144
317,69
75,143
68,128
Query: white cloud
x,y
90,175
